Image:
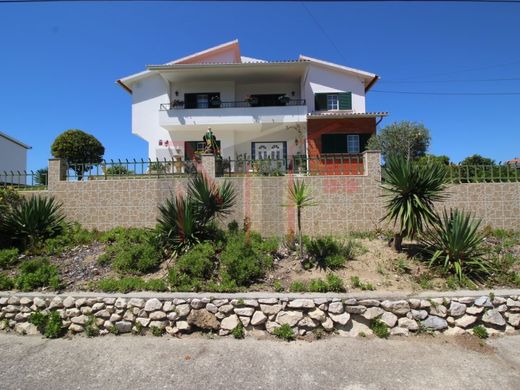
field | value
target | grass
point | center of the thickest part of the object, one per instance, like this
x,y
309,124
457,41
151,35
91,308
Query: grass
x,y
284,332
379,328
91,329
357,283
332,283
157,331
238,331
125,285
480,332
48,324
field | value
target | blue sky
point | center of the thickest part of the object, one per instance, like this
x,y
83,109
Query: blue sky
x,y
59,63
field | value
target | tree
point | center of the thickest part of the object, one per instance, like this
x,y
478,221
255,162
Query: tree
x,y
79,149
431,158
411,190
477,159
409,140
41,177
300,198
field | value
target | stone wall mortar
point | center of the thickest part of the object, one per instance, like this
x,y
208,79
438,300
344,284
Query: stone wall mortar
x,y
342,314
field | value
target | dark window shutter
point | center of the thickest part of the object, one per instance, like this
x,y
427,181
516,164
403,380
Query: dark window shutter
x,y
345,101
363,140
190,100
320,102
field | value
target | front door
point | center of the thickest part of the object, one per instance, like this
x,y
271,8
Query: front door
x,y
269,150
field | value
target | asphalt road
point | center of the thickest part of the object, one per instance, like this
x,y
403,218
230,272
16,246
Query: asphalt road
x,y
129,362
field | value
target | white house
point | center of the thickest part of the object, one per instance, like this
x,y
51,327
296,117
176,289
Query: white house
x,y
13,158
257,109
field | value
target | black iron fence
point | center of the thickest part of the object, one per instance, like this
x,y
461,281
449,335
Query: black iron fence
x,y
24,180
233,104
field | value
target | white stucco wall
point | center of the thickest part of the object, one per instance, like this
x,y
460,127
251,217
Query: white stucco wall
x,y
245,89
226,89
321,80
13,157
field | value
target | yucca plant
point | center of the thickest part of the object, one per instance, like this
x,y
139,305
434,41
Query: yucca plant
x,y
187,220
455,244
32,221
300,198
411,190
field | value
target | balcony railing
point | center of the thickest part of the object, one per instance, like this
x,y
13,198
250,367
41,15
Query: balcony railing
x,y
236,104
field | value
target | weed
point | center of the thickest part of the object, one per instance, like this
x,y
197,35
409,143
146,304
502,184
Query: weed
x,y
113,330
403,267
125,285
278,287
424,281
335,283
318,333
240,302
318,285
357,283
379,328
284,332
91,329
49,325
138,329
238,331
480,332
491,296
362,334
157,331
297,286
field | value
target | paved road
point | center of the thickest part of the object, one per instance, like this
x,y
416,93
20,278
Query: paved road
x,y
123,362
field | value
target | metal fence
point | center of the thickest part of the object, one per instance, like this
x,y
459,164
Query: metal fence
x,y
180,105
24,180
124,169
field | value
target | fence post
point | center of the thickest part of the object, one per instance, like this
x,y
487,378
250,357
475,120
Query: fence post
x,y
57,172
208,165
372,164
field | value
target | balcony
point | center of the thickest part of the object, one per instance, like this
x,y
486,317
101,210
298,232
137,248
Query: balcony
x,y
175,115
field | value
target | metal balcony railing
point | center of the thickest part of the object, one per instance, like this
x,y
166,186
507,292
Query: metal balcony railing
x,y
236,104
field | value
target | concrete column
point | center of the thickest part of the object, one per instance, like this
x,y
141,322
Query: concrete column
x,y
208,165
57,171
372,163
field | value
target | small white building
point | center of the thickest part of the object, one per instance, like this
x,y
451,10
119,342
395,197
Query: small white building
x,y
13,159
256,109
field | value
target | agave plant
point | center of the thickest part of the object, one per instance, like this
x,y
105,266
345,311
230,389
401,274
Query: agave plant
x,y
455,244
300,198
411,190
187,220
32,221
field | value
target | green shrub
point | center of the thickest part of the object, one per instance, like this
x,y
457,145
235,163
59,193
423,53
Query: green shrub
x,y
233,226
91,329
9,199
72,235
32,222
8,257
132,250
157,331
6,283
335,283
318,285
330,253
455,245
379,328
284,332
244,260
118,170
49,325
297,286
278,287
357,283
238,331
480,332
37,273
196,265
126,285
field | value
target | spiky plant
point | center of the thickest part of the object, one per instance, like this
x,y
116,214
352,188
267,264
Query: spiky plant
x,y
411,191
32,221
300,198
455,244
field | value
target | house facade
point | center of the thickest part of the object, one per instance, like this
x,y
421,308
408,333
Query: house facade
x,y
13,159
256,109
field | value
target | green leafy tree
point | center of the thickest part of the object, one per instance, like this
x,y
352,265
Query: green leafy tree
x,y
431,158
79,149
41,177
411,190
477,159
409,140
300,198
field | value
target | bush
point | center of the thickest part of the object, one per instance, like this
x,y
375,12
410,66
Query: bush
x,y
8,257
335,283
6,283
480,332
91,329
455,245
297,287
9,199
126,285
132,251
71,236
330,253
193,268
33,221
243,260
233,226
379,328
37,273
318,285
117,170
284,332
238,331
49,325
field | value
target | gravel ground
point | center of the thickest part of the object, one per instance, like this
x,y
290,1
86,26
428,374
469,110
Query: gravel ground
x,y
198,362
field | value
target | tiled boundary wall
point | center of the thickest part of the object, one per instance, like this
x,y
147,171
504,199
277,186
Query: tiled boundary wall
x,y
343,203
346,314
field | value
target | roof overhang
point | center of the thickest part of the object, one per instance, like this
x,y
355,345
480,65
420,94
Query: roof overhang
x,y
15,141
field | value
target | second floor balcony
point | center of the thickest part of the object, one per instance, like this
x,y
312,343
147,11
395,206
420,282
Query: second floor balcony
x,y
253,111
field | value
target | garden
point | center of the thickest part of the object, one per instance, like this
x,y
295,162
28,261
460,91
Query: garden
x,y
192,250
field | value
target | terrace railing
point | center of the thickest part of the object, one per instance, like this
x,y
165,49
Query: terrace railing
x,y
124,169
24,180
231,104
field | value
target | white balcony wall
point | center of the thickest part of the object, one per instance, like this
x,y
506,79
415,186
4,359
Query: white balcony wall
x,y
243,90
322,80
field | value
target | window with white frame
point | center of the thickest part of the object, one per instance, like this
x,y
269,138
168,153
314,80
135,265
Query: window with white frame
x,y
353,143
332,102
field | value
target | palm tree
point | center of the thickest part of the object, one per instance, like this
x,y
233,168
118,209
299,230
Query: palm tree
x,y
411,190
300,198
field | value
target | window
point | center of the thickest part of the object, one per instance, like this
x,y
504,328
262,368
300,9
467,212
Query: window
x,y
202,101
353,143
332,102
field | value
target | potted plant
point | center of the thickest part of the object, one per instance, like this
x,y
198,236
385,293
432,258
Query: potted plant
x,y
284,100
177,103
252,100
215,101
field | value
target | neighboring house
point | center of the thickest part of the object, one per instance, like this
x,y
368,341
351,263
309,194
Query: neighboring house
x,y
514,163
257,109
13,159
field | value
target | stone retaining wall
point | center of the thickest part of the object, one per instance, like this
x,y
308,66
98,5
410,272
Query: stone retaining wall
x,y
346,314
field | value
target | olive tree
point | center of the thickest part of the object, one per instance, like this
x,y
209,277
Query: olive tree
x,y
81,150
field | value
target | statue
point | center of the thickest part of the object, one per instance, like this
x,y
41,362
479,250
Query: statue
x,y
210,143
